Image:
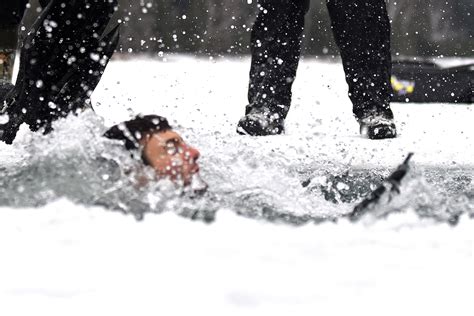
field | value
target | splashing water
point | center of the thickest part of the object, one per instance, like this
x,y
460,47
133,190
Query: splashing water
x,y
77,163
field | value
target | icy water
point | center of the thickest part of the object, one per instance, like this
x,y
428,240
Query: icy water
x,y
90,170
316,172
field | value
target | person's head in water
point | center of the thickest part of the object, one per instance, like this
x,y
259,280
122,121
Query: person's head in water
x,y
162,148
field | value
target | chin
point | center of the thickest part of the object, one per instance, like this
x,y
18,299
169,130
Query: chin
x,y
197,184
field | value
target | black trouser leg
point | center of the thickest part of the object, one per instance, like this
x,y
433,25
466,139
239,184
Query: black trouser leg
x,y
44,3
275,46
362,32
62,52
53,51
11,13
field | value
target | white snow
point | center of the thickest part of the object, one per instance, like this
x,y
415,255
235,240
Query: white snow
x,y
66,259
70,258
210,97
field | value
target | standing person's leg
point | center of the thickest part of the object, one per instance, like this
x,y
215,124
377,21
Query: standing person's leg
x,y
53,51
11,13
44,3
362,32
52,86
275,45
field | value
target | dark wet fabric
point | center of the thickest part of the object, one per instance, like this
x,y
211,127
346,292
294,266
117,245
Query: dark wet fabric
x,y
8,38
362,32
11,12
61,62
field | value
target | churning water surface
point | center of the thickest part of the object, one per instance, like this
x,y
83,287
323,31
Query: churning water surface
x,y
76,163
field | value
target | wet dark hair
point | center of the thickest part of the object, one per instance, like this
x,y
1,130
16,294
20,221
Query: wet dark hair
x,y
130,132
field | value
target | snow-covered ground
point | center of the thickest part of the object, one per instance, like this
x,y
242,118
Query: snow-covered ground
x,y
65,250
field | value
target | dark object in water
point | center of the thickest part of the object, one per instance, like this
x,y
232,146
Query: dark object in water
x,y
427,82
390,186
62,60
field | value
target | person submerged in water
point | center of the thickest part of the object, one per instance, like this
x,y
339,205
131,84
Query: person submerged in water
x,y
60,66
161,148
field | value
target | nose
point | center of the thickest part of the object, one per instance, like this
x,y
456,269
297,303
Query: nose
x,y
193,153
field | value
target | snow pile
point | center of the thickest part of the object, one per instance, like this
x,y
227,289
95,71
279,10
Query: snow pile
x,y
67,259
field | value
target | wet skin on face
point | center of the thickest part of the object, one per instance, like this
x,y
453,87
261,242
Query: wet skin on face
x,y
170,156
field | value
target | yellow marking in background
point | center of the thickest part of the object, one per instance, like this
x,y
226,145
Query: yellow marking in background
x,y
402,87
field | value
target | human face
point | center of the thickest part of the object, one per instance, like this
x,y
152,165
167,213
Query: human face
x,y
170,156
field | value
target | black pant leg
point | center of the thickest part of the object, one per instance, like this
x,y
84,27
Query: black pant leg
x,y
275,45
362,32
53,51
11,13
44,3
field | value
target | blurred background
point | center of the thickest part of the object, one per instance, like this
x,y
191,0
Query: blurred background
x,y
218,27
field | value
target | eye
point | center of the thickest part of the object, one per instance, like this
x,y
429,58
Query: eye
x,y
171,148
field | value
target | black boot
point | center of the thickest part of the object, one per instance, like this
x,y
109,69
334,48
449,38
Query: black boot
x,y
275,45
261,121
377,127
